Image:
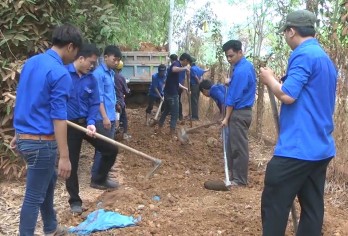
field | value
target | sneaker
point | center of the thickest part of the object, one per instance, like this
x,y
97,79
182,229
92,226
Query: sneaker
x,y
75,209
60,231
108,184
126,136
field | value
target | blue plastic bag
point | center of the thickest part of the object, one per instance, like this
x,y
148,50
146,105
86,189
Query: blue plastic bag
x,y
100,220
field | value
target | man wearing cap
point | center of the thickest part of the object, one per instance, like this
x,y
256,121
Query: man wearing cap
x,y
156,89
305,144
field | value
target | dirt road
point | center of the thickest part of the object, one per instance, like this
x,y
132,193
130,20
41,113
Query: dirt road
x,y
185,207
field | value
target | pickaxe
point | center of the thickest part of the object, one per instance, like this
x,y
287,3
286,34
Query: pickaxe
x,y
183,133
153,121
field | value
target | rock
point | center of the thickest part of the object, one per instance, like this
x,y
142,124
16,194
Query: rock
x,y
140,207
212,142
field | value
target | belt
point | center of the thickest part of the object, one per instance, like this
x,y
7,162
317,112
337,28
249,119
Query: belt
x,y
36,137
79,121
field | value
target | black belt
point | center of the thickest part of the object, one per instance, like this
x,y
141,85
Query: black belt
x,y
244,108
79,121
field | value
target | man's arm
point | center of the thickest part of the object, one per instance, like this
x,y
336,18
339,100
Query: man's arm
x,y
60,132
268,78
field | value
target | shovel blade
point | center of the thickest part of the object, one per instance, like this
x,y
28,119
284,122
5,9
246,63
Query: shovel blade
x,y
216,185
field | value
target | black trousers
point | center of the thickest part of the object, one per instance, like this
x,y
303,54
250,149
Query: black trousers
x,y
285,178
153,100
195,101
109,153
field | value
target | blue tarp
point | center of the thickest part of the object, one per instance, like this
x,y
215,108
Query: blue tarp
x,y
100,220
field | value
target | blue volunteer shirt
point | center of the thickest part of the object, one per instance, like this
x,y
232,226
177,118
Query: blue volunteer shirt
x,y
157,82
107,93
171,87
195,71
306,125
242,87
42,94
84,97
217,93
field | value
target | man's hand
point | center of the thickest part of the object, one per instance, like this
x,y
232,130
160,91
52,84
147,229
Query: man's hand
x,y
106,123
64,165
266,75
224,123
162,98
91,131
13,143
118,108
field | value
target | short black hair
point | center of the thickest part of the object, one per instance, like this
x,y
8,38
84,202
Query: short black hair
x,y
88,50
173,57
235,45
303,31
162,67
113,50
65,34
205,84
185,56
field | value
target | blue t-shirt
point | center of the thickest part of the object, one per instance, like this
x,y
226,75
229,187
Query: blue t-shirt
x,y
107,93
217,93
157,82
306,125
84,97
171,87
195,71
42,94
242,87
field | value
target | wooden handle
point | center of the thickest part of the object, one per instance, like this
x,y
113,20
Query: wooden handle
x,y
106,139
202,126
158,110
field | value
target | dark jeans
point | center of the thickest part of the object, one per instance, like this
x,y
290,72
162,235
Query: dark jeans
x,y
171,105
285,178
180,105
124,120
153,100
194,100
238,148
41,179
107,160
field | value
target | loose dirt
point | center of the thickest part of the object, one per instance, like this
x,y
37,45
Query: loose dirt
x,y
184,206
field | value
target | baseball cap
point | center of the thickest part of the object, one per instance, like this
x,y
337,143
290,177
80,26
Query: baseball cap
x,y
299,18
162,67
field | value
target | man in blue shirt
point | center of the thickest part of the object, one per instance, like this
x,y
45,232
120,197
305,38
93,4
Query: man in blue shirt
x,y
156,89
216,92
121,91
83,107
171,91
196,76
305,144
106,117
41,128
239,101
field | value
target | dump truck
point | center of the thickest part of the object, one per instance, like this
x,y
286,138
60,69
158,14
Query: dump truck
x,y
139,66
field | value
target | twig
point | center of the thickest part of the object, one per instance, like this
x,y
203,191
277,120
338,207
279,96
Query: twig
x,y
8,45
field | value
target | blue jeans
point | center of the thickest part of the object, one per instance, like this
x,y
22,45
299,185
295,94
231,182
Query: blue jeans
x,y
110,133
40,157
171,105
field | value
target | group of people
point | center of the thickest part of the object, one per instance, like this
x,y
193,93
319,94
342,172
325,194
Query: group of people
x,y
61,85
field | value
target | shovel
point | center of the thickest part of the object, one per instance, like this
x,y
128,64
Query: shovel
x,y
157,162
183,133
153,121
219,185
